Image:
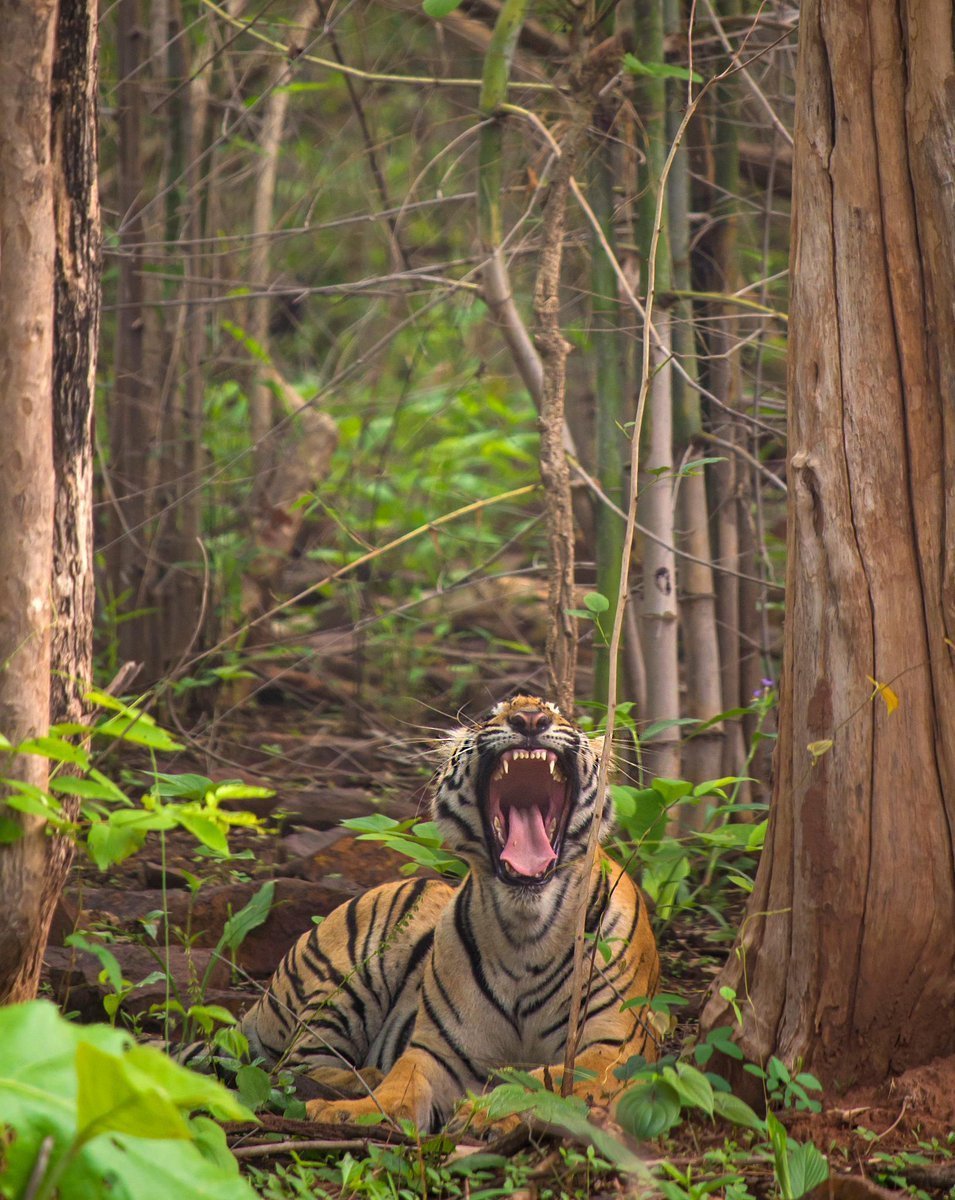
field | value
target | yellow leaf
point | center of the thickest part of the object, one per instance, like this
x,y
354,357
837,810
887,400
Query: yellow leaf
x,y
883,689
818,749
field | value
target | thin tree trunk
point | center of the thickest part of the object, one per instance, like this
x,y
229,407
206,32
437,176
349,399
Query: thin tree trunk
x,y
261,398
702,755
658,614
610,451
725,383
847,955
28,239
130,430
659,607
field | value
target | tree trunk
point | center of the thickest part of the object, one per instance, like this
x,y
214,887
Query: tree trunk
x,y
130,414
28,241
702,755
848,952
75,337
658,613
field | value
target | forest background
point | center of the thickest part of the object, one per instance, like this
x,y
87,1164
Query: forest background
x,y
374,343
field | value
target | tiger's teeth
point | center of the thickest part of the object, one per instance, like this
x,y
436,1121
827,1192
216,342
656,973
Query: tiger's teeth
x,y
551,827
499,829
504,766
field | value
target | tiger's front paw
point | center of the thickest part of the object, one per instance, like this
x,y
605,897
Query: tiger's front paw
x,y
340,1112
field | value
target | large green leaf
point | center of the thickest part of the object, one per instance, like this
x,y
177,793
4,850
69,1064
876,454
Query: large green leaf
x,y
109,1108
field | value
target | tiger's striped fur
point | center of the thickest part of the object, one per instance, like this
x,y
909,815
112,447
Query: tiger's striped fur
x,y
426,989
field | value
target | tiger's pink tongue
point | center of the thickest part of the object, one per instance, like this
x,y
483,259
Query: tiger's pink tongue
x,y
528,850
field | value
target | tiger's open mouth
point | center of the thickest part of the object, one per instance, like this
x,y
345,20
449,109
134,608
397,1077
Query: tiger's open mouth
x,y
527,802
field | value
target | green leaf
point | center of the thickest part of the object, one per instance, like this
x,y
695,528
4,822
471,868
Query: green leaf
x,y
596,602
251,916
254,1086
56,748
203,829
373,823
807,1168
236,790
438,9
123,833
648,1110
672,790
113,1097
107,959
691,1085
90,787
27,798
42,1059
658,70
212,1144
650,731
140,730
183,786
731,1108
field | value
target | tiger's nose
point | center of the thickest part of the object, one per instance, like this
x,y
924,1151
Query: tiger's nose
x,y
530,721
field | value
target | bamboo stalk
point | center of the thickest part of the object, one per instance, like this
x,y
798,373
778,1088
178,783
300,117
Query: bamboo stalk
x,y
658,614
702,754
611,386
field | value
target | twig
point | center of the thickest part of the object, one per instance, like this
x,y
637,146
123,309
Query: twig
x,y
369,76
266,1149
750,458
747,78
39,1168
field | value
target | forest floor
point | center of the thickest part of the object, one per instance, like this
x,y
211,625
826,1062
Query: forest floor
x,y
325,768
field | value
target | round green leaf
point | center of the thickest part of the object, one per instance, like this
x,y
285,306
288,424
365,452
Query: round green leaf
x,y
649,1110
437,9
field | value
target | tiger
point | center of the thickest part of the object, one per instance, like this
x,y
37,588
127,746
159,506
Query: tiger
x,y
410,996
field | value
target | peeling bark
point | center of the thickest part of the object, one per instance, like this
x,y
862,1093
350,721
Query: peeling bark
x,y
847,957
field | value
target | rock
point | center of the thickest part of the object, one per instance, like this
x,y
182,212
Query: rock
x,y
303,842
200,918
361,864
74,977
327,807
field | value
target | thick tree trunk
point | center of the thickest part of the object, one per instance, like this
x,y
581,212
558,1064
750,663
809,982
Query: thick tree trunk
x,y
28,242
848,952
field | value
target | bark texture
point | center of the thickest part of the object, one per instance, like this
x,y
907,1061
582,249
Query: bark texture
x,y
75,334
848,953
27,243
76,329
